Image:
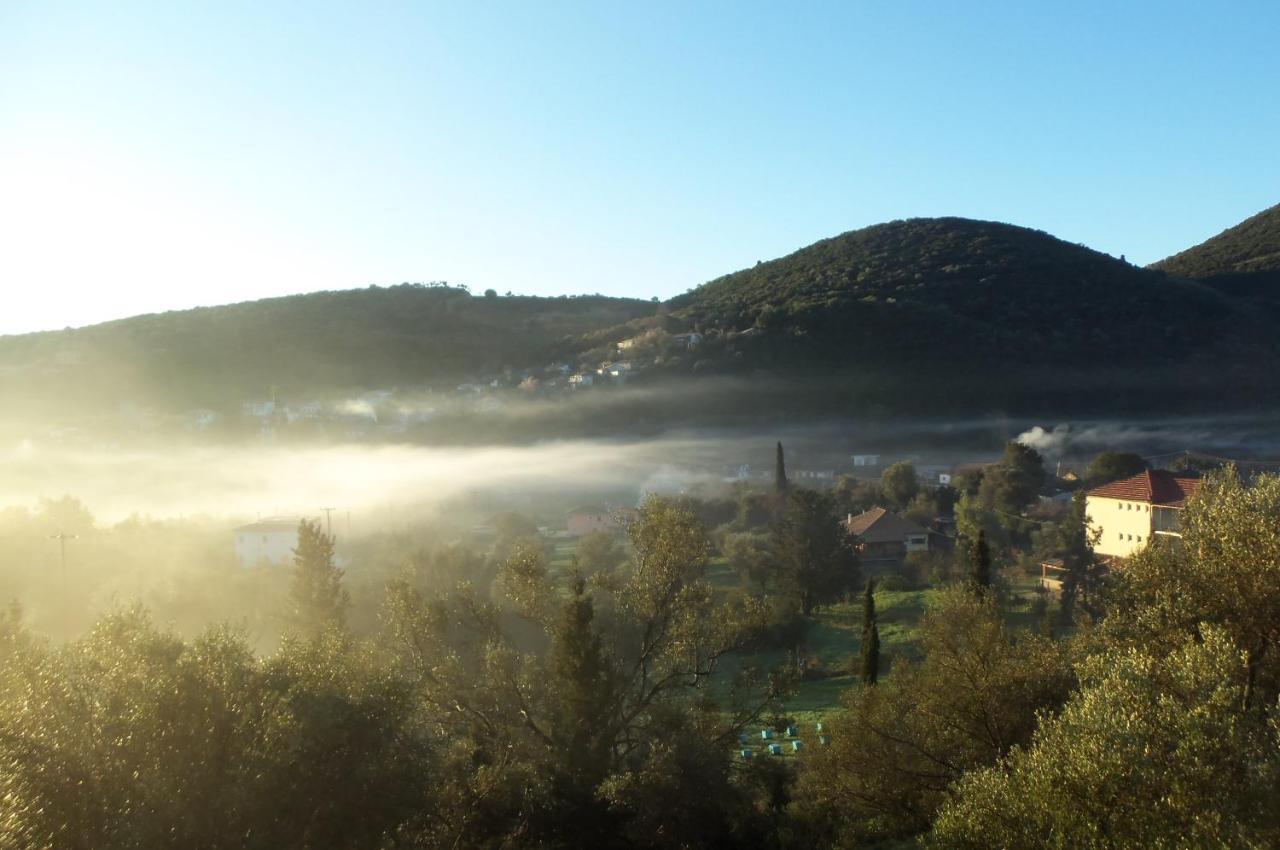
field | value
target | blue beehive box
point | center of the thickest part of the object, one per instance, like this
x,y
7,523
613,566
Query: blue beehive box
x,y
796,745
746,754
775,749
792,732
743,737
766,734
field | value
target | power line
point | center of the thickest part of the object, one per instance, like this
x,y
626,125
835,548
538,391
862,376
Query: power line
x,y
1218,458
62,548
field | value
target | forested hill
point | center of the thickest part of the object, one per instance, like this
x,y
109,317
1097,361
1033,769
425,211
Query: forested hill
x,y
380,336
925,315
1242,260
1253,245
950,292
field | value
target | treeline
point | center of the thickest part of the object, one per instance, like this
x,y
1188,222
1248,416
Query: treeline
x,y
601,706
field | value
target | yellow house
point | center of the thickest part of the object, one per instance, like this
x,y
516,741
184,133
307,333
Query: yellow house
x,y
1129,513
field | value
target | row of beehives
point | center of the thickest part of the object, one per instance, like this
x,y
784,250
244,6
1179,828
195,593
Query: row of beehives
x,y
792,733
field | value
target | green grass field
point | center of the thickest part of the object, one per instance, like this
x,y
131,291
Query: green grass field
x,y
834,643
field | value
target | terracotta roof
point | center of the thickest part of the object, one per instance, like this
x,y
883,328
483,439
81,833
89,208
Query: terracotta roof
x,y
880,526
1154,486
271,524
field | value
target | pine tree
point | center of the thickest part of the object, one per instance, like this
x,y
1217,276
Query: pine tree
x,y
980,562
317,597
870,636
779,472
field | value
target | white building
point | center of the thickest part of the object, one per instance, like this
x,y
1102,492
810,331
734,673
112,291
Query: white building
x,y
616,369
267,542
1127,514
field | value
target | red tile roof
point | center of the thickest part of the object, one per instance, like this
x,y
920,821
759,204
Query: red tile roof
x,y
1155,487
880,526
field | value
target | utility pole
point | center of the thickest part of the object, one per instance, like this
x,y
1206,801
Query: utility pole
x,y
328,520
62,549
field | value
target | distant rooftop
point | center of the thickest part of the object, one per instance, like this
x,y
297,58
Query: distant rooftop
x,y
881,526
274,523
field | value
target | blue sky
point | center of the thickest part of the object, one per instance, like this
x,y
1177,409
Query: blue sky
x,y
156,157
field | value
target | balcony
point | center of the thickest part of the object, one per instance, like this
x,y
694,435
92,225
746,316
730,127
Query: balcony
x,y
1166,521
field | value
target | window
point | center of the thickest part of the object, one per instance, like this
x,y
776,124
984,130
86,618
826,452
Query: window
x,y
1139,538
1130,537
1121,535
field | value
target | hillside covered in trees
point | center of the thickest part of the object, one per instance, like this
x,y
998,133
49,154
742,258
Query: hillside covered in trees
x,y
916,290
1251,246
1243,260
912,316
315,343
939,305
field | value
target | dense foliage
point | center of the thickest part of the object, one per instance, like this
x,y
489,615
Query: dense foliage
x,y
506,702
1173,739
896,748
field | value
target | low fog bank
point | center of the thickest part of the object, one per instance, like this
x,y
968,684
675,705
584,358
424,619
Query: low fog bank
x,y
528,407
156,524
252,479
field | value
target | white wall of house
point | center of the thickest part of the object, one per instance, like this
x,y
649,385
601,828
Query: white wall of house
x,y
266,545
1125,525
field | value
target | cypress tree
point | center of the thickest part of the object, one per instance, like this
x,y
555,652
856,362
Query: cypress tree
x,y
980,562
870,636
582,730
584,683
779,472
317,596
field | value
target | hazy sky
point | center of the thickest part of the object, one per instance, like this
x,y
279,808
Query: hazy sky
x,y
163,155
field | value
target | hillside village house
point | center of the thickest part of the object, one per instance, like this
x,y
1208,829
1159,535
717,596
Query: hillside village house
x,y
828,475
268,541
883,539
1128,514
617,369
687,341
584,521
